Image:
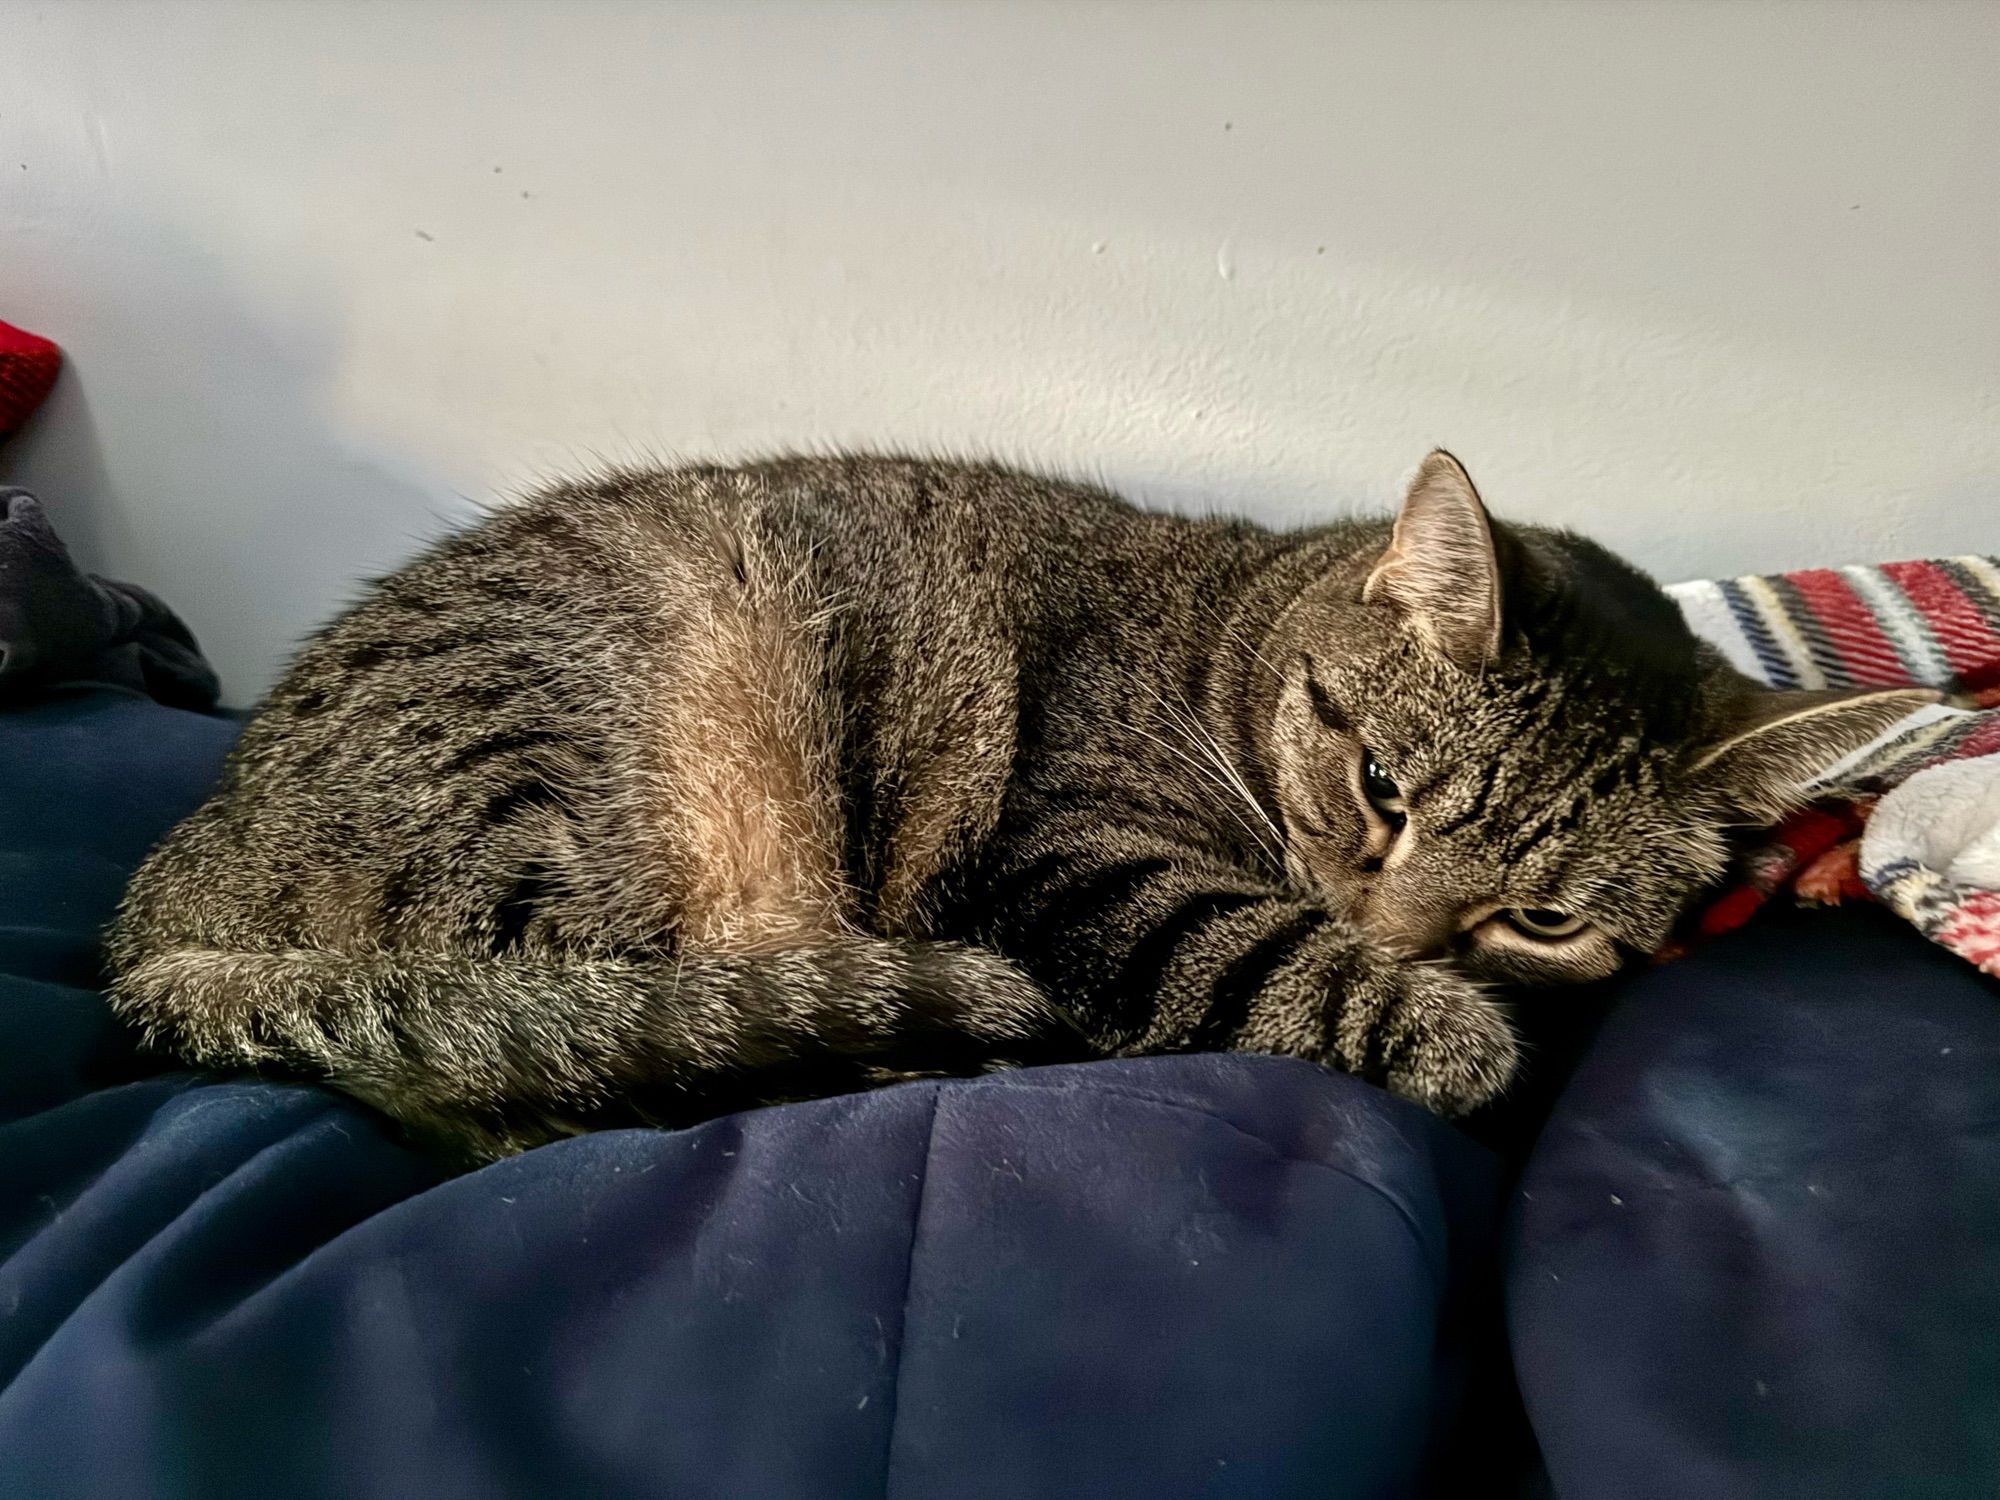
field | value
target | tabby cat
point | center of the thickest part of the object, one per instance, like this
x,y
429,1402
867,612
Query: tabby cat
x,y
676,790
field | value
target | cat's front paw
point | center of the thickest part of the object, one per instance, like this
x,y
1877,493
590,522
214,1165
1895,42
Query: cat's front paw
x,y
1439,1040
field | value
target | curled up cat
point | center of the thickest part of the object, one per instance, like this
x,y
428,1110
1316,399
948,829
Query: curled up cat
x,y
678,790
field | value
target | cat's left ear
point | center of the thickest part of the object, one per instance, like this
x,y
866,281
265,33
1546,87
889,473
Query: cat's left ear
x,y
1771,744
1440,568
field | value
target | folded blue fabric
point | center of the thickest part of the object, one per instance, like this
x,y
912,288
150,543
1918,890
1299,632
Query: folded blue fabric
x,y
1756,1251
1205,1276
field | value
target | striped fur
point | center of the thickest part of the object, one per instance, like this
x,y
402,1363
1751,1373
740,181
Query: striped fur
x,y
676,790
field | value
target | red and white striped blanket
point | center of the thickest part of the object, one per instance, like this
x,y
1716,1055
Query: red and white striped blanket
x,y
1913,821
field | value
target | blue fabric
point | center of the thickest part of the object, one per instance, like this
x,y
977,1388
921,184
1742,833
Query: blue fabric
x,y
1756,1251
1213,1276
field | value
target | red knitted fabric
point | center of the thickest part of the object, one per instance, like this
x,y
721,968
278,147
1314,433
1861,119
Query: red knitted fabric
x,y
28,366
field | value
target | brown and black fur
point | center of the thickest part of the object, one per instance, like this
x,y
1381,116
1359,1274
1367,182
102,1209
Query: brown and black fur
x,y
686,788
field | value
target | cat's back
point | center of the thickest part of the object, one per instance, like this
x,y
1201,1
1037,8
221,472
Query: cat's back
x,y
520,669
588,568
617,536
554,616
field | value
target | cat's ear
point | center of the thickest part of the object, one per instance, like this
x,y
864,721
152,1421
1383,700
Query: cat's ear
x,y
1440,568
1768,744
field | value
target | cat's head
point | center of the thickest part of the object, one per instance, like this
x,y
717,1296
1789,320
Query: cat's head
x,y
1503,746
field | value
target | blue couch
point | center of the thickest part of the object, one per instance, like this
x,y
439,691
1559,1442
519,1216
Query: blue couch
x,y
1754,1250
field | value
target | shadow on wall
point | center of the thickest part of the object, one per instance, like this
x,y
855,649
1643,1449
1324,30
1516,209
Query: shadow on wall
x,y
58,455
187,447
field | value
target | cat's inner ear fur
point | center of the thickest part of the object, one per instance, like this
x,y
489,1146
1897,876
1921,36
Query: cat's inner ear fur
x,y
1770,744
1440,568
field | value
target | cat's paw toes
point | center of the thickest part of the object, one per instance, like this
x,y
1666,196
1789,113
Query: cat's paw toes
x,y
1448,1046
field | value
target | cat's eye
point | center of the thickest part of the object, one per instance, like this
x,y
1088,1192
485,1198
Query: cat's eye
x,y
1539,922
1381,790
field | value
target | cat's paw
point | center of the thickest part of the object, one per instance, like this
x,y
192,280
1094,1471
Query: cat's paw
x,y
1442,1041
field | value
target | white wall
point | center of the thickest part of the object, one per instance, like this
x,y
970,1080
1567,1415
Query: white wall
x,y
1719,283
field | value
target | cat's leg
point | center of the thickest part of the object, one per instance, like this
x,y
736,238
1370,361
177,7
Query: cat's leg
x,y
1162,947
717,821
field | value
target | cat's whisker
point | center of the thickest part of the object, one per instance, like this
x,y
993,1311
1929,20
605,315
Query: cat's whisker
x,y
1230,783
1207,741
1233,632
1208,774
1218,771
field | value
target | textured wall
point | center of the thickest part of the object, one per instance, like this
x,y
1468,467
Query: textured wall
x,y
1720,283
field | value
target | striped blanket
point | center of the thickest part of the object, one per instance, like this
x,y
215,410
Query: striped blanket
x,y
1913,820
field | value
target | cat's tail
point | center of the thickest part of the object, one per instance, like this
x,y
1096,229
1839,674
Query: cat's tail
x,y
491,1054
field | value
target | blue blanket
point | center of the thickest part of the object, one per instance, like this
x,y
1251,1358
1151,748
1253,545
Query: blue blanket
x,y
1215,1276
1757,1251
